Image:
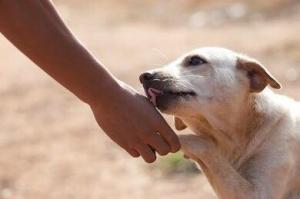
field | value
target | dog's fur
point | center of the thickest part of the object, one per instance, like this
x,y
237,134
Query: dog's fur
x,y
246,139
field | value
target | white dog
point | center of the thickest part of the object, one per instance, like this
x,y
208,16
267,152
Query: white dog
x,y
247,138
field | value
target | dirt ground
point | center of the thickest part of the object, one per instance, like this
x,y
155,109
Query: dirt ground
x,y
50,145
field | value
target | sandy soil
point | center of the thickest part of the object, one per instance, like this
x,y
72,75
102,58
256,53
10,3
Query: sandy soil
x,y
50,146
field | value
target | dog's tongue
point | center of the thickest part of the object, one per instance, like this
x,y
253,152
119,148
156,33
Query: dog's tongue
x,y
153,93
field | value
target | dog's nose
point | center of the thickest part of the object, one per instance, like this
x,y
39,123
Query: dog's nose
x,y
146,77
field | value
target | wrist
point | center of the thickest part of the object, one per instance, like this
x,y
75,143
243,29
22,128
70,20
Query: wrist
x,y
103,90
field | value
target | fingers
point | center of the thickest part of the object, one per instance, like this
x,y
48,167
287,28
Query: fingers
x,y
158,144
147,153
133,153
170,137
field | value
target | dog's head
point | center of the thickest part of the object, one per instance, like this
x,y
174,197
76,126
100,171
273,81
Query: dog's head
x,y
205,81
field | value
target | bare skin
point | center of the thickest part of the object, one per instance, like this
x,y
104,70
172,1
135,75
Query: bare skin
x,y
127,117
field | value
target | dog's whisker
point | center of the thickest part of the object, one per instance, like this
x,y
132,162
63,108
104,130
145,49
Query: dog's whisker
x,y
190,76
189,71
184,84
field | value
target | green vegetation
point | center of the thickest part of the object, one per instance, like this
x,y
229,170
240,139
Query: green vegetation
x,y
176,163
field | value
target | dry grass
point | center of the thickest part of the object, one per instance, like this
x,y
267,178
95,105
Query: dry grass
x,y
50,145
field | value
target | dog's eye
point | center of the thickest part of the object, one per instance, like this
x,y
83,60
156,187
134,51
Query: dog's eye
x,y
195,61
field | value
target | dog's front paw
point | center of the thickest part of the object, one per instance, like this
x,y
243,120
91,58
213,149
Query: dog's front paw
x,y
195,146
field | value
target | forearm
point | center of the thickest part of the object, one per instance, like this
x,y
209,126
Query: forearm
x,y
36,29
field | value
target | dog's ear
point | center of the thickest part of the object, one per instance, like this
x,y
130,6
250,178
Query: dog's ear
x,y
258,75
179,124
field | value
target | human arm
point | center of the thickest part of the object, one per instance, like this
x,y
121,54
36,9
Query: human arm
x,y
37,30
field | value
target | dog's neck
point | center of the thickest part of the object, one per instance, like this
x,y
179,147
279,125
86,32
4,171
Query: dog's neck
x,y
235,128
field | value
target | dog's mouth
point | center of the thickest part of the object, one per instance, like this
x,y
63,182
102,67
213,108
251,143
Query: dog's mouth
x,y
158,97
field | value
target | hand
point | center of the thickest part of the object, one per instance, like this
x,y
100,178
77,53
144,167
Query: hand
x,y
127,117
130,120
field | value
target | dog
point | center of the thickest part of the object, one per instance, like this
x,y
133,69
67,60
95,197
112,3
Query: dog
x,y
245,137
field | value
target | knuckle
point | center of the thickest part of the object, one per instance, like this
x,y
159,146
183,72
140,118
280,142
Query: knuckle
x,y
150,137
136,144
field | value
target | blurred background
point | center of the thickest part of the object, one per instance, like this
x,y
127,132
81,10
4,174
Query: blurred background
x,y
50,145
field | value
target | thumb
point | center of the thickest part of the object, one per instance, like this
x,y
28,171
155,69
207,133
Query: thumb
x,y
169,136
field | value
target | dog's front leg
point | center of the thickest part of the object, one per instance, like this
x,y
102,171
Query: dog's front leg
x,y
224,179
227,182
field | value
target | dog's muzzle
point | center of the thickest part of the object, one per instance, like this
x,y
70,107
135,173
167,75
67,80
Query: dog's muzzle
x,y
161,89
